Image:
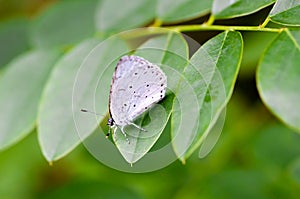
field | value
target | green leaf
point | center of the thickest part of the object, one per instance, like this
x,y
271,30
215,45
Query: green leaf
x,y
172,11
223,9
295,35
66,23
21,86
212,137
117,15
286,12
278,79
170,52
13,39
56,130
212,73
89,89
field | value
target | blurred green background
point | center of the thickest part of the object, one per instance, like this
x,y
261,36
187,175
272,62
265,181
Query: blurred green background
x,y
255,157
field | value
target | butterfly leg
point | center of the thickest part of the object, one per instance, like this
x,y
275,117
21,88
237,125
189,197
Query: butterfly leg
x,y
137,126
114,133
125,135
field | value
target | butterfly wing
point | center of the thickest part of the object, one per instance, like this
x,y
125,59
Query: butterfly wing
x,y
137,85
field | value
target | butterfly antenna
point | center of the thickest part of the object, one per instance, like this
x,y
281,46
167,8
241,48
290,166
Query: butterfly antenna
x,y
137,126
108,133
91,112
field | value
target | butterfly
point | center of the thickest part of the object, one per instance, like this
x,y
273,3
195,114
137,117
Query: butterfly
x,y
137,85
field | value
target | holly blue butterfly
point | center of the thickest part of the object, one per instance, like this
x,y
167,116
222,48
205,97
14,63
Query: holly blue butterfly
x,y
137,85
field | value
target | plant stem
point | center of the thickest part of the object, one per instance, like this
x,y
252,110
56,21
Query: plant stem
x,y
202,27
265,22
156,23
210,20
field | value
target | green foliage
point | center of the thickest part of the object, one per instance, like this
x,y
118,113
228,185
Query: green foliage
x,y
132,14
64,24
21,86
13,39
217,64
61,84
286,13
55,107
254,158
228,9
278,78
171,11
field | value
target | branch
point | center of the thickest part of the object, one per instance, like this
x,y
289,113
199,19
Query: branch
x,y
204,27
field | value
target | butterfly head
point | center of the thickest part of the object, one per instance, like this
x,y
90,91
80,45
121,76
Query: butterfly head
x,y
110,122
